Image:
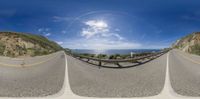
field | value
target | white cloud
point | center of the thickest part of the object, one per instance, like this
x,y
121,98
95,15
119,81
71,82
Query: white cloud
x,y
59,42
100,44
40,29
96,24
94,28
97,35
47,34
44,31
113,35
99,28
61,19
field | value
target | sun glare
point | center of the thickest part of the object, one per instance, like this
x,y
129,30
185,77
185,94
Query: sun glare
x,y
97,23
101,24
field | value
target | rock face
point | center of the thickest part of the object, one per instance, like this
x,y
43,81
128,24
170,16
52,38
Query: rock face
x,y
20,44
189,43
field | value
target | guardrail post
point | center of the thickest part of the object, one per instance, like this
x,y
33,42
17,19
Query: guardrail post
x,y
100,64
118,65
88,60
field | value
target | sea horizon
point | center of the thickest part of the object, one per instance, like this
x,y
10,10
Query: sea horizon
x,y
113,51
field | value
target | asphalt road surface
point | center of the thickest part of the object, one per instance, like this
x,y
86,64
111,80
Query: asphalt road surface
x,y
143,80
184,73
44,76
32,77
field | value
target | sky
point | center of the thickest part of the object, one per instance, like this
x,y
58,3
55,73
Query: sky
x,y
103,24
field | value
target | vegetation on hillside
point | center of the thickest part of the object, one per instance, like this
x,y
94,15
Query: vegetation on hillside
x,y
14,44
195,49
2,48
68,51
189,43
38,39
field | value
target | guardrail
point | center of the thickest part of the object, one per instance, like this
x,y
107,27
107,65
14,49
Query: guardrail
x,y
121,63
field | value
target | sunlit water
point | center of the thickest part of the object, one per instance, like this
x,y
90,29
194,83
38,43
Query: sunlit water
x,y
114,51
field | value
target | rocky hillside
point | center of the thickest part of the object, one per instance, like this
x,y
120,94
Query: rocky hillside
x,y
22,44
189,43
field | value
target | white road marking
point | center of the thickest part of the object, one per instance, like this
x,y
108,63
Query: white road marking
x,y
27,65
168,92
66,92
196,62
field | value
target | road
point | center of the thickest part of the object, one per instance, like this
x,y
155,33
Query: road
x,y
185,73
144,80
174,75
39,76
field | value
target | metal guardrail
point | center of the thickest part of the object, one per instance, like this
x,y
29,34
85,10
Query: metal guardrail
x,y
116,63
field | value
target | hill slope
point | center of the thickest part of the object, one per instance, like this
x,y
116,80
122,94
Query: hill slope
x,y
14,44
189,43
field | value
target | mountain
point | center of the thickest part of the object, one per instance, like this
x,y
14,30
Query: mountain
x,y
14,44
189,43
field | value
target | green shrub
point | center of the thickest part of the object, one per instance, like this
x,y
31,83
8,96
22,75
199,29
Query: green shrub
x,y
115,56
2,48
195,49
46,45
102,56
112,57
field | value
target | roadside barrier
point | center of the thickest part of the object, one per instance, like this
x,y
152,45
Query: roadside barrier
x,y
138,59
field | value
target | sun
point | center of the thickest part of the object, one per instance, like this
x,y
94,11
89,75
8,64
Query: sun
x,y
97,23
101,24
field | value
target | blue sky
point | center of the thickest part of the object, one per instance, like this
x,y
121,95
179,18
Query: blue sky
x,y
103,24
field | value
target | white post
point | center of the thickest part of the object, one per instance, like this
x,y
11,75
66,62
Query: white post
x,y
131,54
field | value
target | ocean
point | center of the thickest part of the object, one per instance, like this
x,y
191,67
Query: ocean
x,y
114,51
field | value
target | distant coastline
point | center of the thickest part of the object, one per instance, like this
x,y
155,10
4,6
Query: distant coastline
x,y
114,51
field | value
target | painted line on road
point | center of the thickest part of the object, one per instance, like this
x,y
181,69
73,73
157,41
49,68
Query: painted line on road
x,y
66,91
189,59
168,92
37,63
